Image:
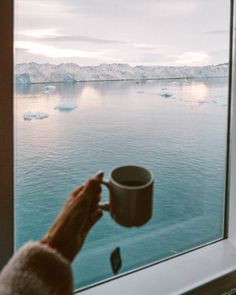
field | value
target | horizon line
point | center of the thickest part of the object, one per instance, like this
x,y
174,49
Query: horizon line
x,y
126,64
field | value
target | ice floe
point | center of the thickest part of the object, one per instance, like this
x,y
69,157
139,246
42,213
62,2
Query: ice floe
x,y
166,94
35,116
49,88
221,101
65,107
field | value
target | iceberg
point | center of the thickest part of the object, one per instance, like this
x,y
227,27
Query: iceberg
x,y
68,79
49,87
35,116
166,94
23,79
65,107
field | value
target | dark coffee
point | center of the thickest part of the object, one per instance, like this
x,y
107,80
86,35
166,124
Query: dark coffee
x,y
132,183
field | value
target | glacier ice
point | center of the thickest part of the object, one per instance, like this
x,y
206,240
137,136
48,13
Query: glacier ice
x,y
35,116
65,107
70,73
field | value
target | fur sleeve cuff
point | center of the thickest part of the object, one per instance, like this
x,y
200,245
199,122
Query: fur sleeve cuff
x,y
35,270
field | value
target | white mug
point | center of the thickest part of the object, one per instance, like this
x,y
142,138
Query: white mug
x,y
130,200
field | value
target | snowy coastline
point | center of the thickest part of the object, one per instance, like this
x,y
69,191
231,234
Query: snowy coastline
x,y
69,73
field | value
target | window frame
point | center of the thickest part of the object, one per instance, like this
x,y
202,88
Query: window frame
x,y
197,267
6,132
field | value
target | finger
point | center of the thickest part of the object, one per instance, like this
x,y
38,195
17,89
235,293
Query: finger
x,y
98,190
96,198
86,197
90,191
77,190
104,207
92,188
95,203
94,181
72,199
98,178
100,174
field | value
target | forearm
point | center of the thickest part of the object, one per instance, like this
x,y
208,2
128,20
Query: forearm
x,y
35,270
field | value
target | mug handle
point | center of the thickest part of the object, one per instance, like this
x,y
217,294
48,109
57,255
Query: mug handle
x,y
105,206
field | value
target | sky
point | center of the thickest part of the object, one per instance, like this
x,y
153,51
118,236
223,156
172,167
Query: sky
x,y
134,32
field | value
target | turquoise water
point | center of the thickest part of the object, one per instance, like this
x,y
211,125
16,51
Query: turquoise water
x,y
181,139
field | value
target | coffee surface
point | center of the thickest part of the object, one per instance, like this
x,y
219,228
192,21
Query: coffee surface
x,y
132,183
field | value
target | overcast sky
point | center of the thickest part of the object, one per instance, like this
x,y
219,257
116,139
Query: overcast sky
x,y
137,32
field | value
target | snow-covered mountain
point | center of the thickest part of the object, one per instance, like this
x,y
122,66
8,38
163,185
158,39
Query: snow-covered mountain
x,y
27,73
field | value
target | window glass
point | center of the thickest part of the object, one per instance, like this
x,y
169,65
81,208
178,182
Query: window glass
x,y
100,84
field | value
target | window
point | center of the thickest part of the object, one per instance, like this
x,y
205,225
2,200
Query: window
x,y
196,218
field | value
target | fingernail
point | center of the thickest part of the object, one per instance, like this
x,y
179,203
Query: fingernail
x,y
100,173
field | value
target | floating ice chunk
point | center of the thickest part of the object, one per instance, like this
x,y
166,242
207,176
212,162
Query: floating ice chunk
x,y
23,79
40,116
29,116
48,88
140,91
200,102
35,116
186,80
166,94
68,79
163,88
65,107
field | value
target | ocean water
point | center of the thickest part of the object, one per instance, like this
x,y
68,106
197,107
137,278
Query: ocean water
x,y
181,139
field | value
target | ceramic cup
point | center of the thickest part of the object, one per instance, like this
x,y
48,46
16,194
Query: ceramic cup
x,y
130,195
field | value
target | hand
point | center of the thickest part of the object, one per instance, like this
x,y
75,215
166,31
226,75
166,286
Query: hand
x,y
77,217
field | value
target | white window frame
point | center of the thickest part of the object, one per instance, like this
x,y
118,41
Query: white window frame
x,y
174,276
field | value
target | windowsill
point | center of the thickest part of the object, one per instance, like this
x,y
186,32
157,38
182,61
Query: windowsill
x,y
177,275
